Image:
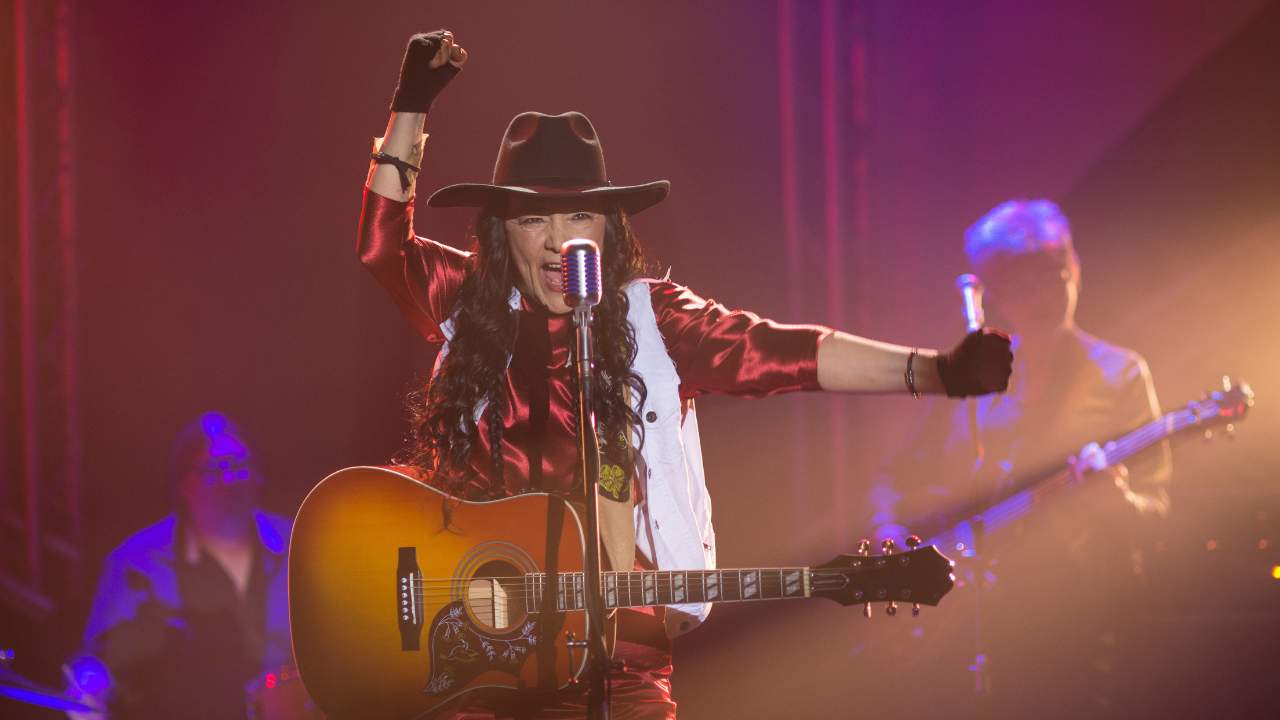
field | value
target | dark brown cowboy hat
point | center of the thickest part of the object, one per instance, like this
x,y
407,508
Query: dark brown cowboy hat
x,y
553,157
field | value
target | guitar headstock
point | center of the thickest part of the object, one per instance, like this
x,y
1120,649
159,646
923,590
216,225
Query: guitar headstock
x,y
920,576
1228,405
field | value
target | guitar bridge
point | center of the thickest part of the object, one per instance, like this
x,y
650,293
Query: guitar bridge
x,y
409,599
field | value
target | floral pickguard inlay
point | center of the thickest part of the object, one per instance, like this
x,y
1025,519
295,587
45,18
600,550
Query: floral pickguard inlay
x,y
460,652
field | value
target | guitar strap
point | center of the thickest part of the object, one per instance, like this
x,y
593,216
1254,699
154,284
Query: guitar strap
x,y
617,511
618,524
618,531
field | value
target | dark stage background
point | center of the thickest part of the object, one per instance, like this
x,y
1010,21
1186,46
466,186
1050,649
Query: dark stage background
x,y
825,159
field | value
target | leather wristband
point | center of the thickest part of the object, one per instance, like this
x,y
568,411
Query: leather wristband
x,y
955,382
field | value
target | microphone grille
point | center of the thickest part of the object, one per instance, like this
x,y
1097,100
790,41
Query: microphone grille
x,y
580,272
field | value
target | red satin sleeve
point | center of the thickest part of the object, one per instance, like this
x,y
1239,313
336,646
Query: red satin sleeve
x,y
423,276
735,352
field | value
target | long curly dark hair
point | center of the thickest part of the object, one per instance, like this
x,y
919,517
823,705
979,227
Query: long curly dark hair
x,y
443,428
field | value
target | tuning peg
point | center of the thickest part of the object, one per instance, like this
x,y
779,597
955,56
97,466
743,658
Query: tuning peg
x,y
887,545
866,610
1226,383
1231,431
891,609
1208,435
913,541
915,609
864,547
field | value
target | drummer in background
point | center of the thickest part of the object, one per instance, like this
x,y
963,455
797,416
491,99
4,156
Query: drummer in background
x,y
193,608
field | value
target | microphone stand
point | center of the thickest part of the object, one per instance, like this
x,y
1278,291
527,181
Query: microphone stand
x,y
589,466
971,289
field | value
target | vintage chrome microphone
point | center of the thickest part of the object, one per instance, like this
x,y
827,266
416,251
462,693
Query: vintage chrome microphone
x,y
580,274
580,282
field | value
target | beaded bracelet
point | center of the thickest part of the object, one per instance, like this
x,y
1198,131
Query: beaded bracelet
x,y
910,374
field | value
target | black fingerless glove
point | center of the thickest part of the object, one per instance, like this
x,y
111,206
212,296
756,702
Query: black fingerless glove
x,y
419,82
980,364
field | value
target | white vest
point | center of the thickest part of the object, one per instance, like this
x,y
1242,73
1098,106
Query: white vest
x,y
673,524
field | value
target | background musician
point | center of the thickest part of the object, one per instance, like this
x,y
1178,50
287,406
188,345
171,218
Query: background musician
x,y
191,609
1070,392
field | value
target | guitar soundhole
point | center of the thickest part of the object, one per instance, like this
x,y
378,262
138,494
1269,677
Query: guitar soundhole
x,y
496,596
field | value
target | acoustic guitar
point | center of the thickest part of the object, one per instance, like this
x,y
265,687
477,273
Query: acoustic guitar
x,y
394,615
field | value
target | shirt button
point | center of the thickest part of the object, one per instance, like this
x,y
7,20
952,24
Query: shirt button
x,y
651,416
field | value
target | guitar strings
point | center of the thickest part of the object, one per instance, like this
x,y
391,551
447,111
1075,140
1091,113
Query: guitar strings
x,y
571,580
834,582
819,580
1159,429
813,572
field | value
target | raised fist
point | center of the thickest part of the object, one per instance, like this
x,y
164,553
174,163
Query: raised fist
x,y
430,62
980,364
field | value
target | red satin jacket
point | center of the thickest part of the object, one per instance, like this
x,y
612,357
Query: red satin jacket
x,y
715,350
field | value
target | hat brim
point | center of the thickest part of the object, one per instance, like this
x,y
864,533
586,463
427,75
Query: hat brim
x,y
631,198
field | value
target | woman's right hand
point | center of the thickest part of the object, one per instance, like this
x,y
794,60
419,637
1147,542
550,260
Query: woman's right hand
x,y
449,51
430,62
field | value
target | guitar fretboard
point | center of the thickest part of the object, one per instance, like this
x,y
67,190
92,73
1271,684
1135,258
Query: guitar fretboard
x,y
672,587
1123,448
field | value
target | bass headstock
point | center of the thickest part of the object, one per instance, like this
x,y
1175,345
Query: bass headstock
x,y
1233,400
920,576
1226,406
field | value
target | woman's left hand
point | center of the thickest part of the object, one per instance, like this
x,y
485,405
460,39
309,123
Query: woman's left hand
x,y
979,365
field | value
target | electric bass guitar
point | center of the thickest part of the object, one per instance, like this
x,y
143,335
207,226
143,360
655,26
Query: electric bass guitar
x,y
396,615
962,530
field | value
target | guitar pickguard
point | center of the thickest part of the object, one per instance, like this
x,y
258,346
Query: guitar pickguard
x,y
460,651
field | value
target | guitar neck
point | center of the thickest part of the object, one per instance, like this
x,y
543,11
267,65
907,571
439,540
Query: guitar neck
x,y
673,587
1024,495
1167,425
